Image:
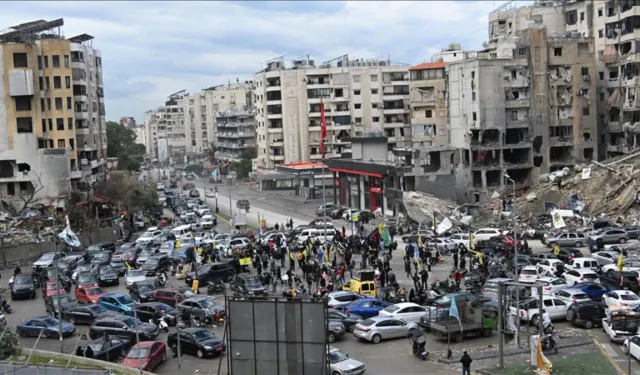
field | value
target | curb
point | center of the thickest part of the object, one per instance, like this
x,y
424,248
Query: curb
x,y
611,360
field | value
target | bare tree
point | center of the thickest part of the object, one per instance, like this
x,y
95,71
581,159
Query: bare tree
x,y
23,199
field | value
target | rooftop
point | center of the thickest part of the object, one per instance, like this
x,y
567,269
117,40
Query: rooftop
x,y
429,65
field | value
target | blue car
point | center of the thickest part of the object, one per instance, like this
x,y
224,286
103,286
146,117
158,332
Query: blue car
x,y
595,291
118,302
46,324
366,307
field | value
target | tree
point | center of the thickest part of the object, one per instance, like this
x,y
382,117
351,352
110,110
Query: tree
x,y
211,152
126,192
244,166
121,143
24,198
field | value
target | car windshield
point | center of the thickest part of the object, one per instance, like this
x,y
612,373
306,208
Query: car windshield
x,y
22,281
131,322
106,269
204,268
529,272
145,287
50,322
135,273
138,353
152,261
205,303
46,257
629,297
202,335
65,299
94,291
100,256
391,309
253,282
367,322
83,268
52,286
129,253
125,300
96,346
85,277
96,309
338,356
145,253
163,307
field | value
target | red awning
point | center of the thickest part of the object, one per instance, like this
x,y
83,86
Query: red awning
x,y
376,190
352,171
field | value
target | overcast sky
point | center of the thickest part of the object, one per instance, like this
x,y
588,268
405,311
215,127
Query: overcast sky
x,y
152,49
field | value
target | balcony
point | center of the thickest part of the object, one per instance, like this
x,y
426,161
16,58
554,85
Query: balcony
x,y
273,88
635,35
337,99
521,103
274,116
80,98
521,123
81,115
75,174
395,96
276,157
613,83
395,111
631,82
341,112
83,131
560,141
274,130
21,82
613,127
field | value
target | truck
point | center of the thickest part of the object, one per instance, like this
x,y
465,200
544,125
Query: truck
x,y
475,320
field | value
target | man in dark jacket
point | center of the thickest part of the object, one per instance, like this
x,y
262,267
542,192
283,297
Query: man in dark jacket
x,y
466,363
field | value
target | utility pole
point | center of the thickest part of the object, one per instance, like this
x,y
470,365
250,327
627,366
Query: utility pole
x,y
178,335
230,207
515,258
58,285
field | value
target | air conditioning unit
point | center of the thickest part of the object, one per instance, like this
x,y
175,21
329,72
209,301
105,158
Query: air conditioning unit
x,y
586,78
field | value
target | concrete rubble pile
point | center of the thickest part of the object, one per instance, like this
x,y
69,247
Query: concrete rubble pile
x,y
610,188
18,231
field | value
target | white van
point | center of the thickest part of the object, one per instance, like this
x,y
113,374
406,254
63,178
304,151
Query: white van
x,y
316,232
182,230
582,263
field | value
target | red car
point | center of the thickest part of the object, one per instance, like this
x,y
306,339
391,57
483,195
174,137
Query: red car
x,y
146,355
50,288
89,294
509,241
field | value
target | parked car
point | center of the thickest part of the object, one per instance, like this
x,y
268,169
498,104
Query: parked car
x,y
246,284
119,266
49,326
549,265
23,287
101,258
579,275
621,298
146,355
125,327
86,279
529,309
48,259
632,231
613,279
107,276
52,288
366,307
566,254
606,257
142,291
593,290
571,239
52,305
349,320
571,296
201,307
406,311
210,272
587,314
628,265
341,298
484,234
89,294
106,348
156,310
327,207
172,296
380,328
86,314
529,274
198,341
117,302
608,236
133,276
335,330
155,264
549,285
341,364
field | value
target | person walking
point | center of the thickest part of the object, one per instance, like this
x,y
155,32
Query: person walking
x,y
424,277
455,259
466,364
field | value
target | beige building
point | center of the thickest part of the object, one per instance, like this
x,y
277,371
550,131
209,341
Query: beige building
x,y
357,95
428,99
52,135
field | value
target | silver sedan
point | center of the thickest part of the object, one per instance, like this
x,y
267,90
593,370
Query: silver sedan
x,y
381,328
606,257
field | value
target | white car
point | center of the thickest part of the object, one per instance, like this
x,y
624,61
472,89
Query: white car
x,y
550,265
236,243
460,238
579,275
206,221
47,259
571,296
616,330
529,274
529,310
407,311
133,276
484,234
582,263
549,285
340,298
149,236
628,265
606,257
634,344
621,298
210,193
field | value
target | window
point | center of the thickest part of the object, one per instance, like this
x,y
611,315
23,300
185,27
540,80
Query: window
x,y
557,51
375,119
23,103
473,96
375,105
24,124
475,116
600,33
601,96
66,61
522,51
374,91
57,82
40,62
585,71
44,125
41,83
473,74
61,143
46,61
601,75
48,104
20,60
357,106
537,54
47,83
55,61
70,123
356,92
67,82
356,79
358,120
599,12
374,77
59,124
69,102
585,111
58,104
50,121
428,113
581,16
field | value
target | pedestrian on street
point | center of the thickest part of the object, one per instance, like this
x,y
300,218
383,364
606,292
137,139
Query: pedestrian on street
x,y
466,364
292,260
277,226
455,259
407,266
424,277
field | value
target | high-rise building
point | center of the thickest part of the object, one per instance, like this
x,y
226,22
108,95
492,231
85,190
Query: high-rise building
x,y
236,133
357,95
52,127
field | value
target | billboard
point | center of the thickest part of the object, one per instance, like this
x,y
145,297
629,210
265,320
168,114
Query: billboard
x,y
277,336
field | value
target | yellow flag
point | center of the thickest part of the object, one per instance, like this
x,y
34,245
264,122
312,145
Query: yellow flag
x,y
620,262
381,228
419,240
556,249
478,255
542,363
473,242
128,266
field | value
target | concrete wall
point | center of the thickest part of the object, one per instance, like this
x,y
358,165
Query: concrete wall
x,y
442,186
29,252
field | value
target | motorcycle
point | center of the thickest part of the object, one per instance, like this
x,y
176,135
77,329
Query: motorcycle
x,y
161,324
418,347
215,287
11,280
6,307
160,280
548,343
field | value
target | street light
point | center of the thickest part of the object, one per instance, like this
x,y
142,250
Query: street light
x,y
515,255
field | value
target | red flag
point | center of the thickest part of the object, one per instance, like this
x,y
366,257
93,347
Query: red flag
x,y
323,128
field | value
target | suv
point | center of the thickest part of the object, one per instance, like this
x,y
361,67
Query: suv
x,y
211,272
607,236
576,239
200,307
123,326
236,243
248,285
587,314
614,279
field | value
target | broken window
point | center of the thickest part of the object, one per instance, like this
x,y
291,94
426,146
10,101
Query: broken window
x,y
586,134
428,113
20,60
23,103
557,51
571,17
24,124
514,115
338,93
522,51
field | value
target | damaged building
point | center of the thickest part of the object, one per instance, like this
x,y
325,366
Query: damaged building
x,y
520,109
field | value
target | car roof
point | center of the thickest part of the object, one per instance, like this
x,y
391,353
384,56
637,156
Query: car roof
x,y
622,291
530,267
573,291
195,329
381,318
114,295
338,293
405,304
548,278
145,344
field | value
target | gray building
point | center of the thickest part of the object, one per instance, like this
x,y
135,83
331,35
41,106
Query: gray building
x,y
236,134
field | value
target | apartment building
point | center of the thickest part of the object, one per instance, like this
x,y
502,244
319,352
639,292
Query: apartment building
x,y
52,135
357,95
154,130
129,122
236,134
523,108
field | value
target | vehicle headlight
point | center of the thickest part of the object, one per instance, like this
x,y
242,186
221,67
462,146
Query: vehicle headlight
x,y
207,347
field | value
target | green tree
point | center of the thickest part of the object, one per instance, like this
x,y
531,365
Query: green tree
x,y
243,167
211,152
121,143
